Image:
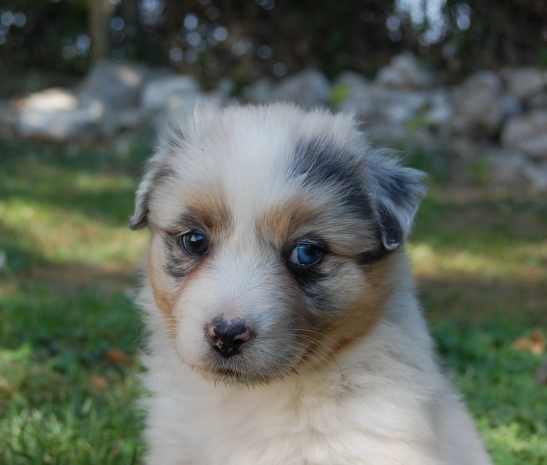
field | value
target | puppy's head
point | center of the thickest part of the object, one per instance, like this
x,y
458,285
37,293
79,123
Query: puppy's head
x,y
275,237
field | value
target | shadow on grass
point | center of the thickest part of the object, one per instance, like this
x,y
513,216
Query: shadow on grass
x,y
93,181
476,300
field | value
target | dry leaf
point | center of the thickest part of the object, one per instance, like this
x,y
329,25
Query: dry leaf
x,y
100,382
118,357
536,344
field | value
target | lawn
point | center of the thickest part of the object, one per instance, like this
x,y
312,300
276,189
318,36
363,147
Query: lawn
x,y
69,332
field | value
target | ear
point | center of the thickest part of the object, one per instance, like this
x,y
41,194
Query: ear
x,y
140,216
156,167
398,192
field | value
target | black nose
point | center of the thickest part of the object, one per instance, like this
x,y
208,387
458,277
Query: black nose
x,y
228,335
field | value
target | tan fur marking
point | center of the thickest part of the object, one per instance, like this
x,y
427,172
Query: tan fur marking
x,y
357,320
209,207
314,214
166,293
280,223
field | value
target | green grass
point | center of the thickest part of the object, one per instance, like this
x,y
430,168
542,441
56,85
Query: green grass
x,y
65,304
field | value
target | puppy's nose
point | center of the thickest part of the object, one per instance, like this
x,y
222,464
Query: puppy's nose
x,y
228,335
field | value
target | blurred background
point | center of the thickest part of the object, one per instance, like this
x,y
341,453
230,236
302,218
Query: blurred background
x,y
246,40
458,88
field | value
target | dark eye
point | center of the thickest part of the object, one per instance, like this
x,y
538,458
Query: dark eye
x,y
306,255
194,243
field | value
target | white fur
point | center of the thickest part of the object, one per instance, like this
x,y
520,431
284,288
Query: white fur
x,y
382,401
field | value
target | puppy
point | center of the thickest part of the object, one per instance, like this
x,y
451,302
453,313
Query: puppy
x,y
284,325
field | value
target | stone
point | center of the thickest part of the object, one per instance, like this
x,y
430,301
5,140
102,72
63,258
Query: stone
x,y
226,86
178,106
538,101
349,85
54,99
405,72
260,91
159,92
114,85
309,88
524,82
466,149
513,170
57,114
478,110
391,115
439,109
511,105
527,133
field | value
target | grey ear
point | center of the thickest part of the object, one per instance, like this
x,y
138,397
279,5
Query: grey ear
x,y
153,168
398,192
140,216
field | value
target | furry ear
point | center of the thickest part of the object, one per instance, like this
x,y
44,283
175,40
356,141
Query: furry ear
x,y
156,167
398,192
140,216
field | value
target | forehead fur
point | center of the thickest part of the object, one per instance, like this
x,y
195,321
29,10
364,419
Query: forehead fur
x,y
256,158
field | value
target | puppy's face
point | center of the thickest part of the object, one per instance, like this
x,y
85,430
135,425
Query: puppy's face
x,y
274,237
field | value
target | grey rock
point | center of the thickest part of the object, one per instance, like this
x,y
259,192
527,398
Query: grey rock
x,y
467,149
538,101
389,105
118,120
53,99
513,170
225,86
439,108
370,102
57,114
524,82
390,115
179,106
405,72
352,85
260,91
478,110
511,105
114,85
528,134
159,92
309,88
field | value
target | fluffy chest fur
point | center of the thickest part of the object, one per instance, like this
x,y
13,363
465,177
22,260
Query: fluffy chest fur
x,y
284,327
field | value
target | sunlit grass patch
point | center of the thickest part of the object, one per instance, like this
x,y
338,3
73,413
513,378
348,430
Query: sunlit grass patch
x,y
62,236
521,261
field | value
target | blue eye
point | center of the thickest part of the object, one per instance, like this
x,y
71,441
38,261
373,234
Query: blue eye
x,y
195,243
306,255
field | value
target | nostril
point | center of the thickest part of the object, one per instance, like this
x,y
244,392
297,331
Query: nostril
x,y
227,336
243,336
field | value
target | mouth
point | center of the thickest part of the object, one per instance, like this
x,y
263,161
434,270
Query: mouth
x,y
236,378
239,372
